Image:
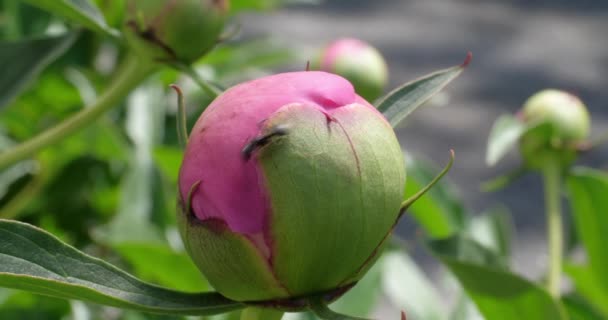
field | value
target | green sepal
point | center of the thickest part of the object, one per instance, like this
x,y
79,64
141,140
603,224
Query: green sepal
x,y
231,263
336,183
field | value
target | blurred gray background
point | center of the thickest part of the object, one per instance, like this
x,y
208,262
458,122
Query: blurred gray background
x,y
518,46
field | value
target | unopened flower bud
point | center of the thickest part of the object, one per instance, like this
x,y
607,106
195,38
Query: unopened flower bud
x,y
563,123
358,62
174,30
289,187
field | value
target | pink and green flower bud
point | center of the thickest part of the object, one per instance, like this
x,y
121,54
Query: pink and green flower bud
x,y
172,31
358,62
563,122
290,185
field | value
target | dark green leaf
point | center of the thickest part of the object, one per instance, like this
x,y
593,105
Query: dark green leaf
x,y
579,309
83,12
34,260
587,193
588,286
497,293
399,103
22,61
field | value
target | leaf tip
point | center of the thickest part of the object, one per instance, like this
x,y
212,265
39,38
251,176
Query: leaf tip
x,y
467,60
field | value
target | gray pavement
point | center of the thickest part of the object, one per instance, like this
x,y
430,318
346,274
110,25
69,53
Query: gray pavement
x,y
519,47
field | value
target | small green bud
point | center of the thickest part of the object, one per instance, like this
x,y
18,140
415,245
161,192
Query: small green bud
x,y
563,123
171,31
358,62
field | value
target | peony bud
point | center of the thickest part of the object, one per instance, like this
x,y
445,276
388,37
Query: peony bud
x,y
289,186
567,124
174,30
358,62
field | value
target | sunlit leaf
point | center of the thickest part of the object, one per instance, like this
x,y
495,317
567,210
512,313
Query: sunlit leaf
x,y
588,189
588,286
504,136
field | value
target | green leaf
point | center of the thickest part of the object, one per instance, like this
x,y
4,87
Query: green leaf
x,y
321,310
168,160
408,288
579,309
34,260
363,297
504,136
497,293
587,193
22,61
158,263
440,212
588,286
80,11
493,230
26,306
399,103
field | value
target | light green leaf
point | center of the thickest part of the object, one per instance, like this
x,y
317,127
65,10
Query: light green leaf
x,y
83,12
493,230
34,260
362,298
588,286
399,103
504,136
408,288
168,160
321,310
162,265
22,61
497,293
440,212
587,193
506,133
579,309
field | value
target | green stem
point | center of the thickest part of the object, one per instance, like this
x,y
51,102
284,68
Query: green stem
x,y
128,77
253,313
209,89
552,183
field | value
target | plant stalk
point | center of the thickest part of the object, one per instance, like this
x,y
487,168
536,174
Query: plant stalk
x,y
552,183
130,74
253,313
